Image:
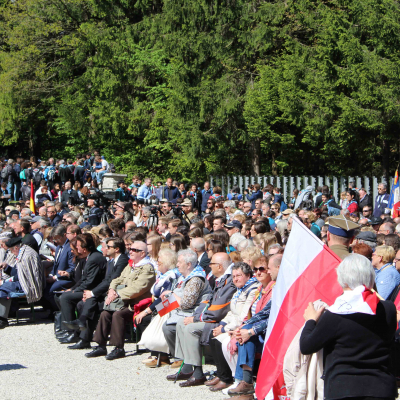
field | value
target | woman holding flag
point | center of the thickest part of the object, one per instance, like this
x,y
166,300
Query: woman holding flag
x,y
356,334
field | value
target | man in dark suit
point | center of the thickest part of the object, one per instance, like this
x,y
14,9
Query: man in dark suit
x,y
198,245
69,193
171,193
63,261
93,300
53,216
365,199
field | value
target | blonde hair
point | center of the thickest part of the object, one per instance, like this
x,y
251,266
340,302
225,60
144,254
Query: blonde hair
x,y
311,216
269,239
386,252
240,217
251,253
155,240
170,257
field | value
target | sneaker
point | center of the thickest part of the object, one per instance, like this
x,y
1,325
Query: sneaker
x,y
233,386
242,388
153,363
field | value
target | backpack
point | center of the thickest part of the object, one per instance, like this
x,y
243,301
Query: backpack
x,y
111,168
22,175
5,172
51,176
36,176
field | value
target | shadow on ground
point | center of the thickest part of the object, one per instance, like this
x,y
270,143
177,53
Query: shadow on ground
x,y
9,367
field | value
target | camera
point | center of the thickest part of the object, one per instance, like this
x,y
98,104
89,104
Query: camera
x,y
153,200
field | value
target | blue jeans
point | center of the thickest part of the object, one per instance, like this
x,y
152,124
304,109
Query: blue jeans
x,y
247,354
17,190
10,190
100,176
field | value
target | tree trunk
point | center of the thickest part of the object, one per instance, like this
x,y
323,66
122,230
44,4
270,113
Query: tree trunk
x,y
255,157
386,161
274,165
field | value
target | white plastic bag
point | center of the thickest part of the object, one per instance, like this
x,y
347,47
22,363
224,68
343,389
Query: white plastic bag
x,y
153,336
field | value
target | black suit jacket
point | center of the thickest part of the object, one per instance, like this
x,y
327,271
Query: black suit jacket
x,y
65,197
366,201
112,273
93,273
57,219
204,261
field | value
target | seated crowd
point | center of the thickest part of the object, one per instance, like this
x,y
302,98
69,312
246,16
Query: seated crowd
x,y
215,259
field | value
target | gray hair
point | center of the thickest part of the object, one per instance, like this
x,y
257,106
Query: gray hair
x,y
59,230
189,256
230,204
10,161
199,244
44,222
220,213
383,184
226,263
169,258
246,269
275,246
62,161
244,244
367,242
355,270
235,239
397,228
281,227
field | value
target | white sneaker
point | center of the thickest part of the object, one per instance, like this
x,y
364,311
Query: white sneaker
x,y
233,386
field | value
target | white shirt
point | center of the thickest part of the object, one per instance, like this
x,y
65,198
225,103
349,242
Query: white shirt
x,y
39,191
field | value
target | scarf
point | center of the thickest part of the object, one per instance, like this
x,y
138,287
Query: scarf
x,y
263,296
160,280
143,261
240,290
358,300
197,271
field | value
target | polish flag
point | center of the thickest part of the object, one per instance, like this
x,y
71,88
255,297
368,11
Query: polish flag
x,y
307,273
167,305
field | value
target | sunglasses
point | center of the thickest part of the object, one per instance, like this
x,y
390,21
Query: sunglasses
x,y
111,247
134,250
261,269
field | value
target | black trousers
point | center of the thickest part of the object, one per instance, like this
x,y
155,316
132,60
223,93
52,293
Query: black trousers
x,y
224,372
89,312
68,302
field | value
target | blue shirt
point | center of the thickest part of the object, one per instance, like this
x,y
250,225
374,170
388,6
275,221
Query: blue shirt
x,y
387,279
144,192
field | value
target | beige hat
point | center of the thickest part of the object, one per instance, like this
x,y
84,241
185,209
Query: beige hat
x,y
186,202
287,211
341,226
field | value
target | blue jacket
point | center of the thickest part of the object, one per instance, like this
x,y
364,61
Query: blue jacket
x,y
254,197
63,261
205,196
381,202
144,192
175,194
237,195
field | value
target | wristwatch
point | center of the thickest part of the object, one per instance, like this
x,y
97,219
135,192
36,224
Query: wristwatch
x,y
249,332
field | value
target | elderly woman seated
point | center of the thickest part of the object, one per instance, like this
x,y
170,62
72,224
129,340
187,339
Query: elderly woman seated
x,y
250,335
356,334
189,291
241,304
167,275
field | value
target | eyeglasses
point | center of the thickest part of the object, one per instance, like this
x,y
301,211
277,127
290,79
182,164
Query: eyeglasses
x,y
261,269
214,264
134,250
112,247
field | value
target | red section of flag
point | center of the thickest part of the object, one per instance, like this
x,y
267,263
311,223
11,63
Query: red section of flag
x,y
318,281
371,299
167,306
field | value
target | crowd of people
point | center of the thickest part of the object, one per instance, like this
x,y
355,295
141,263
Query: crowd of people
x,y
97,268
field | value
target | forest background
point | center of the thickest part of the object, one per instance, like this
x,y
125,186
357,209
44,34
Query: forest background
x,y
189,88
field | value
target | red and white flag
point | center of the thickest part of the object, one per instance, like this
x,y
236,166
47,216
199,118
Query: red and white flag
x,y
358,300
307,273
167,305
